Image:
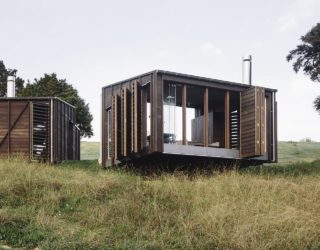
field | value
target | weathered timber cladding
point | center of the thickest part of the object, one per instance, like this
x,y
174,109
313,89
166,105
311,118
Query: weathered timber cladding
x,y
117,135
252,128
262,122
14,128
125,122
41,129
66,138
133,113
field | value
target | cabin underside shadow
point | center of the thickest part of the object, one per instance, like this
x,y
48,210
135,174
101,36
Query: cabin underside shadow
x,y
159,162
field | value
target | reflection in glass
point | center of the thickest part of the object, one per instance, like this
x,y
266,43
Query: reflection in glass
x,y
216,118
195,115
172,113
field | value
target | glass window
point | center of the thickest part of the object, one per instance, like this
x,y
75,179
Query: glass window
x,y
147,103
195,115
172,113
216,118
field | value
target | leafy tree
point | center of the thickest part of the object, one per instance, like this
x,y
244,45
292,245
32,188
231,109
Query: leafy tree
x,y
306,57
3,81
50,85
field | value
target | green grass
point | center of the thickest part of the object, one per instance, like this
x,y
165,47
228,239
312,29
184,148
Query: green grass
x,y
298,151
89,150
78,205
288,151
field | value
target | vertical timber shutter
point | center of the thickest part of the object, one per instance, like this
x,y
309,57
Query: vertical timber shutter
x,y
252,122
116,124
135,117
125,122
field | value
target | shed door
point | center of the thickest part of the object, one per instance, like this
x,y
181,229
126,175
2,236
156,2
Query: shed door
x,y
252,122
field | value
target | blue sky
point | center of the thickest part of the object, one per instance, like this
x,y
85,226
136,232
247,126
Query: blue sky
x,y
95,43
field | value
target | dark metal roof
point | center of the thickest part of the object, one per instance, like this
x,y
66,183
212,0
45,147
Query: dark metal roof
x,y
34,99
187,76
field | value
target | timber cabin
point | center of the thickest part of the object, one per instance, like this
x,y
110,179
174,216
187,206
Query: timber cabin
x,y
40,129
172,114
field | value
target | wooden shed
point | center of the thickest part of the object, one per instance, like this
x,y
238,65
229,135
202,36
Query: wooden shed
x,y
169,113
41,129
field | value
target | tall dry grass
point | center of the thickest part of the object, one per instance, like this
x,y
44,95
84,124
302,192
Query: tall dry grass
x,y
74,208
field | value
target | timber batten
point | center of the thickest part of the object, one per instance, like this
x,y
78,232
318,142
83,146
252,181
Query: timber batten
x,y
162,112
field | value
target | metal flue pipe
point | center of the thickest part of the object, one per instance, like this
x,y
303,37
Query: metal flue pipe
x,y
246,70
11,86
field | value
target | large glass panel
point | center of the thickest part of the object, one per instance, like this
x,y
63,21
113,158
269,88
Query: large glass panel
x,y
195,115
172,113
144,109
216,118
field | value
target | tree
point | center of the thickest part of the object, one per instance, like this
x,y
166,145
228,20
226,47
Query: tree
x,y
3,81
50,85
306,57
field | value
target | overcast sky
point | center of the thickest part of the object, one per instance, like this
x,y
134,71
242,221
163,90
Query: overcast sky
x,y
96,43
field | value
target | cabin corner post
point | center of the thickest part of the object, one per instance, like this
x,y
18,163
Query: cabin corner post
x,y
51,130
275,128
156,113
206,117
184,114
103,131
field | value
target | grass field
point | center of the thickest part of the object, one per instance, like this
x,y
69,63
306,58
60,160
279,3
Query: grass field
x,y
288,151
78,205
298,151
89,150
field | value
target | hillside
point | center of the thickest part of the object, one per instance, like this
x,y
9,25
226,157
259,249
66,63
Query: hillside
x,y
81,206
298,151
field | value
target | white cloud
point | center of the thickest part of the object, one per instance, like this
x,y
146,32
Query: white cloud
x,y
162,54
297,117
286,22
296,13
208,48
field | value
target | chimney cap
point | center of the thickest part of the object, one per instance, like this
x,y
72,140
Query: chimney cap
x,y
247,58
12,72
